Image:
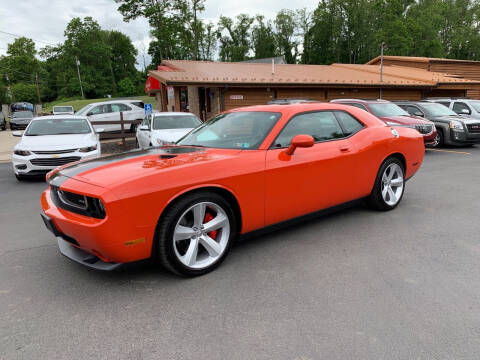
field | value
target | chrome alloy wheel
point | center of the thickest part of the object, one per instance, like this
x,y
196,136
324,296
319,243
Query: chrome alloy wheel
x,y
392,184
201,235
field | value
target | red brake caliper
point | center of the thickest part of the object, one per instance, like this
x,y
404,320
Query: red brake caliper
x,y
208,217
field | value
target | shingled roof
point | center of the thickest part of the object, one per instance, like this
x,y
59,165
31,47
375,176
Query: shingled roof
x,y
183,72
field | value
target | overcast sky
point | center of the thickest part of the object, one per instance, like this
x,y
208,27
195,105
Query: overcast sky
x,y
45,20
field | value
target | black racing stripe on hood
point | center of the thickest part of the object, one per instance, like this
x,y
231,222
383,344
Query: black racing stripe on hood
x,y
87,165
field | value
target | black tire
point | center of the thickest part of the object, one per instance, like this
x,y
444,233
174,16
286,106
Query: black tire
x,y
164,234
376,200
441,138
133,128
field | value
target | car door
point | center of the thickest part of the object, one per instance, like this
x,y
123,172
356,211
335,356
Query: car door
x,y
413,110
99,113
115,116
312,178
143,136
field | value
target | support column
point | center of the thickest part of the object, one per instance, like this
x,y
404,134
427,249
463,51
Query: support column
x,y
193,100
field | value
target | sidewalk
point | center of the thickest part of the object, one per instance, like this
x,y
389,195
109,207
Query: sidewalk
x,y
7,142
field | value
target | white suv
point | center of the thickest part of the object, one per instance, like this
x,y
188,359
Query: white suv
x,y
110,111
462,106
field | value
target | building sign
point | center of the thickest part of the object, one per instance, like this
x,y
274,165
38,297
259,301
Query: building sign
x,y
170,92
236,97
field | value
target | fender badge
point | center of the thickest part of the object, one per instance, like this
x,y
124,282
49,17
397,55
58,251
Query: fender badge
x,y
133,242
394,132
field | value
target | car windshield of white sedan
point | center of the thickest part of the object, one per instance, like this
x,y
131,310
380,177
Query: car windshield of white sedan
x,y
175,122
236,130
22,114
437,110
387,109
63,108
58,127
84,110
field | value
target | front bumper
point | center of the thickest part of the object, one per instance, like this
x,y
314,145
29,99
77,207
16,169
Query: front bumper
x,y
463,137
430,139
74,252
113,240
23,165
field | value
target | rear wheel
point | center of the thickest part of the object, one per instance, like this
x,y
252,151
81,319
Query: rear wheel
x,y
195,234
389,185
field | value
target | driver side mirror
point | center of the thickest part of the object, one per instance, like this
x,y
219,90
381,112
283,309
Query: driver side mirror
x,y
144,128
465,112
418,114
89,113
99,130
17,133
300,141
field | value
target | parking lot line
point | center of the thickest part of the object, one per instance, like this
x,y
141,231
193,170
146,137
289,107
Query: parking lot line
x,y
451,151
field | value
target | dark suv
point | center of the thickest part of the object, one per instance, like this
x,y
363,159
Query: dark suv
x,y
452,129
393,115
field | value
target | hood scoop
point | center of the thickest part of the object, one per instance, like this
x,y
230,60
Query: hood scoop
x,y
167,156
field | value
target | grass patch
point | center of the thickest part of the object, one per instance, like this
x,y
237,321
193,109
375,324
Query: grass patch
x,y
78,103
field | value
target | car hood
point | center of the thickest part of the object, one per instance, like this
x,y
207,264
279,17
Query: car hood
x,y
56,142
170,135
405,120
108,171
20,118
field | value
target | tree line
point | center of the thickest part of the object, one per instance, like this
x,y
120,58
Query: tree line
x,y
347,31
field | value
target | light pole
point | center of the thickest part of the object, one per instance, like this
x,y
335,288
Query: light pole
x,y
79,78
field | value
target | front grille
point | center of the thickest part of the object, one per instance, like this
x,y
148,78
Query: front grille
x,y
54,152
54,161
424,128
473,128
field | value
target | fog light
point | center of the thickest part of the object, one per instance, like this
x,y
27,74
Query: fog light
x,y
21,167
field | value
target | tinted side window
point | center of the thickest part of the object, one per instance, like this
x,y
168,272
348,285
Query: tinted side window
x,y
139,104
349,123
461,108
447,104
357,105
413,110
120,107
100,109
320,125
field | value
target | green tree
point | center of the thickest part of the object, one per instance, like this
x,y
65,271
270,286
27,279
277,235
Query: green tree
x,y
234,37
126,87
25,92
286,26
263,38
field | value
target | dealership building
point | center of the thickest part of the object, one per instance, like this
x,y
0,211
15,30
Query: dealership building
x,y
207,88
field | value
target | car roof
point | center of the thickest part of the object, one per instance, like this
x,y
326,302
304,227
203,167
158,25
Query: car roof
x,y
115,101
66,116
363,101
63,106
174,113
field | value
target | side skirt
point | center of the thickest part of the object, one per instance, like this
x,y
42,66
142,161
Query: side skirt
x,y
300,219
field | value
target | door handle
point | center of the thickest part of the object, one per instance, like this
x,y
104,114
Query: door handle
x,y
344,149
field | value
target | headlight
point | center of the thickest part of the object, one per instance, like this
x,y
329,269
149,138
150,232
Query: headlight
x,y
22,152
163,142
456,125
159,142
88,148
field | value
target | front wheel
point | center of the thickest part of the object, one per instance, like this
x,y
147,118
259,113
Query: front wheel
x,y
389,185
439,139
195,234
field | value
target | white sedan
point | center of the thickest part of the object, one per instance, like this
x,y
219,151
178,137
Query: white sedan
x,y
163,128
52,141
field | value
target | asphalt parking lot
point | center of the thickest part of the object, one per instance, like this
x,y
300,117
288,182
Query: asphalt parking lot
x,y
354,285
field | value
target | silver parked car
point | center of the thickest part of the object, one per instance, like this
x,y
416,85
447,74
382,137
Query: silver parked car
x,y
461,106
20,119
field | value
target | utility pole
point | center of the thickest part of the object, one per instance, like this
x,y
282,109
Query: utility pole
x,y
79,78
38,90
381,62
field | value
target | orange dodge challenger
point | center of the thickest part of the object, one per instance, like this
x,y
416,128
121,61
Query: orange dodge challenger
x,y
244,170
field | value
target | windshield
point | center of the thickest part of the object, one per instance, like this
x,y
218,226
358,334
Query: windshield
x,y
387,109
63,108
84,110
437,110
58,127
23,114
475,104
236,130
175,122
